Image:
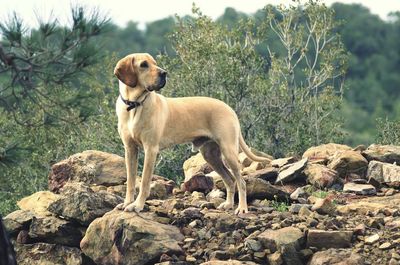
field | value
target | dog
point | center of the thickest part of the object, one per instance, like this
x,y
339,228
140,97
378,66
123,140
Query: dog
x,y
153,122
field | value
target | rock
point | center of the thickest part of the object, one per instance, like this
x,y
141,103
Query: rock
x,y
385,246
53,230
383,172
304,211
268,174
336,257
296,207
274,239
17,221
160,189
280,162
228,262
288,241
322,153
128,238
275,258
349,162
38,202
329,239
43,253
254,166
372,239
252,244
383,153
359,189
299,193
320,176
79,203
194,165
215,194
90,167
244,160
198,182
324,206
291,171
260,189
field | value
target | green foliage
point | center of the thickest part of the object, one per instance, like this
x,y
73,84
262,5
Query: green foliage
x,y
280,206
388,132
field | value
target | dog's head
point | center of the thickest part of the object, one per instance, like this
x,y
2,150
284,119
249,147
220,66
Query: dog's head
x,y
140,70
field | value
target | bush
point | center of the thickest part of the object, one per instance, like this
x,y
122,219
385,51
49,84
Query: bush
x,y
388,132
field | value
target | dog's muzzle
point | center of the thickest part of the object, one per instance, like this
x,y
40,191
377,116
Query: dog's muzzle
x,y
162,80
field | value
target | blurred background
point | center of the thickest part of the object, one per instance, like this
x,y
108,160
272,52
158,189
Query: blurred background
x,y
298,73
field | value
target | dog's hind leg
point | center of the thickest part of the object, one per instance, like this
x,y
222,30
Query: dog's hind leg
x,y
212,154
230,153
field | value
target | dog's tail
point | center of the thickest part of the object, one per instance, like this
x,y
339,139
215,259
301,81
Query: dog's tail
x,y
249,153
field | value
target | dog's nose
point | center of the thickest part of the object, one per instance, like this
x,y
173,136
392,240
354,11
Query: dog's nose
x,y
163,73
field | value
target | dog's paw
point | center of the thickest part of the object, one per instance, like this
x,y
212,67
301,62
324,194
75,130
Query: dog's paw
x,y
135,206
241,210
122,206
225,206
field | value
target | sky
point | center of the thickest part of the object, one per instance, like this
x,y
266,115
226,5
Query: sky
x,y
144,11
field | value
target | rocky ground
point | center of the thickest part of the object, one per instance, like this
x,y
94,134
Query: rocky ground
x,y
334,205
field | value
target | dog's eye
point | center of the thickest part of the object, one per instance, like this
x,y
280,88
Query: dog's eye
x,y
144,64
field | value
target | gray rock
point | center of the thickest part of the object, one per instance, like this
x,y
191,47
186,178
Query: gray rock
x,y
384,153
79,203
295,207
280,162
129,238
90,167
17,221
349,162
329,239
53,230
360,189
268,174
336,257
320,176
383,172
43,253
291,171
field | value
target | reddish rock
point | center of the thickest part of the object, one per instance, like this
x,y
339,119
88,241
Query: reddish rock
x,y
198,182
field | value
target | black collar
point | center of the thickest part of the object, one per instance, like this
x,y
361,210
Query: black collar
x,y
132,104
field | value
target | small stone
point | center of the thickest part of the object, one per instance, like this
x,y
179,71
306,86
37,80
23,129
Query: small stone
x,y
253,245
372,239
295,207
324,206
359,189
305,210
190,258
275,258
385,246
359,229
329,239
299,193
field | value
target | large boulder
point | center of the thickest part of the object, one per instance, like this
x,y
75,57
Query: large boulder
x,y
383,172
329,239
47,254
17,221
383,153
320,176
349,162
322,153
336,257
91,167
38,203
53,230
128,238
80,203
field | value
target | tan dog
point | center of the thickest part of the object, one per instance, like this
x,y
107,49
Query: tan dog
x,y
153,122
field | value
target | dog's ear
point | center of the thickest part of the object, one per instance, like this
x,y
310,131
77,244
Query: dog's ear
x,y
125,71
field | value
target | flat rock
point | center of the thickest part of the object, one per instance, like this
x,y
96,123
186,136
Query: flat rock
x,y
80,203
291,171
90,167
383,172
228,262
43,253
329,239
194,165
320,176
324,206
336,257
360,189
349,162
129,238
53,230
280,162
384,153
323,153
268,174
260,189
17,221
38,202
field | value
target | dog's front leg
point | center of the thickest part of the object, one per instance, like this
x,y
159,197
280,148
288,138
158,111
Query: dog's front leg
x,y
150,155
131,162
